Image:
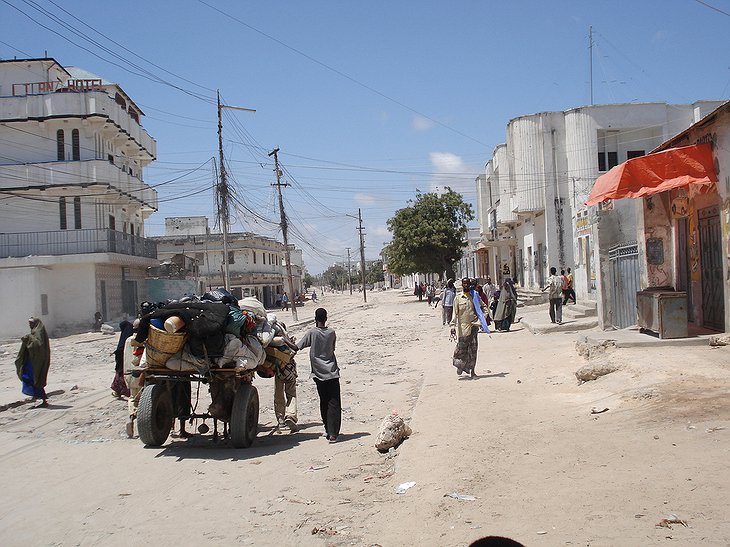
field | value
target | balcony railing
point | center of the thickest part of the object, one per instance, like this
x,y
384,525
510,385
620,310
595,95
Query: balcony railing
x,y
71,242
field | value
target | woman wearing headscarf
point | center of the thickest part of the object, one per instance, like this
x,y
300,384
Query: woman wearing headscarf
x,y
504,316
469,314
119,385
33,361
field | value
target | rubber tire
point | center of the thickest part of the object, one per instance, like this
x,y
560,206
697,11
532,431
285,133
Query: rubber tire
x,y
155,415
244,423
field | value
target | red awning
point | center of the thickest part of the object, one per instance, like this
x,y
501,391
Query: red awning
x,y
654,173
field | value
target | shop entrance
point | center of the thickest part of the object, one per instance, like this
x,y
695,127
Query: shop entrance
x,y
713,300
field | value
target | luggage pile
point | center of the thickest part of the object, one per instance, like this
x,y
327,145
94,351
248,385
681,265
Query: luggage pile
x,y
214,331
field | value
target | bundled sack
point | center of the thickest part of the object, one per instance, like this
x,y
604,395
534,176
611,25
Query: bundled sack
x,y
240,321
393,431
243,355
187,362
220,295
254,306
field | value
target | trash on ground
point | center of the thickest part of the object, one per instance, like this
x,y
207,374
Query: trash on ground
x,y
401,488
673,519
713,429
596,410
461,497
325,531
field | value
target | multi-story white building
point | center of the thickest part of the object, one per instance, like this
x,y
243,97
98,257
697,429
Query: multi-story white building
x,y
256,265
531,200
73,198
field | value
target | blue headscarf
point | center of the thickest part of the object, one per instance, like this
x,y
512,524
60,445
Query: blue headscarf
x,y
477,301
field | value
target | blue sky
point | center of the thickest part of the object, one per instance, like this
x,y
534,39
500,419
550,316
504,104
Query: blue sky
x,y
367,101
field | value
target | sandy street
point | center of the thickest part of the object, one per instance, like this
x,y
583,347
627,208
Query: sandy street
x,y
521,439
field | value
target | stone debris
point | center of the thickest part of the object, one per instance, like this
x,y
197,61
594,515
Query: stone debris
x,y
393,430
594,370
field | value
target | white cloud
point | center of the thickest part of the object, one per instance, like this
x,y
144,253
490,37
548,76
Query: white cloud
x,y
364,199
450,170
421,123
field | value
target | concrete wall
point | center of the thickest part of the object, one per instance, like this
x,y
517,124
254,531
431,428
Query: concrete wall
x,y
159,290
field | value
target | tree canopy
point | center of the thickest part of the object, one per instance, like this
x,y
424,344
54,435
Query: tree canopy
x,y
429,235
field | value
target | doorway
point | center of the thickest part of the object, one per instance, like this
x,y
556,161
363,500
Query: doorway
x,y
713,299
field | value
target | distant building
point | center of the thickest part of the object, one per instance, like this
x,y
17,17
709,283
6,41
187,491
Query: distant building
x,y
73,154
256,263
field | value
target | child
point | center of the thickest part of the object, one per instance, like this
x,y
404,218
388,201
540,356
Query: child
x,y
325,372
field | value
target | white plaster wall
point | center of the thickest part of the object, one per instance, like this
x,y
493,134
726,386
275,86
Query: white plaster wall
x,y
20,295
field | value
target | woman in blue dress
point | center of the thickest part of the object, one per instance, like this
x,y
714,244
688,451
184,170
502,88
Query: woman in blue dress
x,y
33,361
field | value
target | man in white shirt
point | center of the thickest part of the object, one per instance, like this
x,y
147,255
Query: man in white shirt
x,y
555,284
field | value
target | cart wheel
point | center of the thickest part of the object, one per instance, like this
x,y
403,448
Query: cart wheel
x,y
154,416
245,416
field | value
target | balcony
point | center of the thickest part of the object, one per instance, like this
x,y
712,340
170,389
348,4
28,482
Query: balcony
x,y
79,173
72,242
79,104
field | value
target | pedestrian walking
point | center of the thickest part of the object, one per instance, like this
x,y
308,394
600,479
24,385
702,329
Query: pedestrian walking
x,y
569,292
285,302
119,385
33,362
555,284
506,310
447,302
469,314
417,292
321,340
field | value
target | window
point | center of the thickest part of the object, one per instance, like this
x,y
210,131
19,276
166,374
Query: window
x,y
75,145
62,213
60,146
601,161
231,257
110,158
254,257
263,258
612,159
77,213
634,154
44,304
112,222
200,257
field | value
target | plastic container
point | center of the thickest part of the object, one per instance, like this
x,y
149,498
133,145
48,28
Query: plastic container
x,y
174,324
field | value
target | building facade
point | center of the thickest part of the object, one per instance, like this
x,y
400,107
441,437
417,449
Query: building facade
x,y
74,201
256,265
531,199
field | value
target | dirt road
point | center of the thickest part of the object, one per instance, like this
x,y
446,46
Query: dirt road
x,y
521,439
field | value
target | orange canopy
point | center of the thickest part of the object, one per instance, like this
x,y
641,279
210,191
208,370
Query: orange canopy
x,y
654,173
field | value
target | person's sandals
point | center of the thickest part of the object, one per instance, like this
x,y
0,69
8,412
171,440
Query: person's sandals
x,y
332,439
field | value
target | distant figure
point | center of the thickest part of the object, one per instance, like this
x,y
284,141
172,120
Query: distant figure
x,y
430,293
97,322
33,361
469,314
555,284
326,374
119,385
447,302
417,292
489,288
504,314
569,293
314,296
284,302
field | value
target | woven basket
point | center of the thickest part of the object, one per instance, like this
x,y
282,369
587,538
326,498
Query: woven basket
x,y
162,345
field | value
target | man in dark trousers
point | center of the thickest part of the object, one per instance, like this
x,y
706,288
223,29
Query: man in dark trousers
x,y
325,372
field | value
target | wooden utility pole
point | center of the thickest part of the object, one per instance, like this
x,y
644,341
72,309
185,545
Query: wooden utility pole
x,y
222,195
222,190
349,275
284,231
362,254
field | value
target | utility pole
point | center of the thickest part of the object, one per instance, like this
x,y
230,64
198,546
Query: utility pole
x,y
349,275
284,230
362,254
590,49
222,190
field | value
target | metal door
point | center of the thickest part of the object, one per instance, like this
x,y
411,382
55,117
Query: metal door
x,y
540,261
624,279
129,297
713,301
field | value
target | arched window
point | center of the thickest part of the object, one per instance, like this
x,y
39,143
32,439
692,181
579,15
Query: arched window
x,y
62,212
60,146
77,213
75,145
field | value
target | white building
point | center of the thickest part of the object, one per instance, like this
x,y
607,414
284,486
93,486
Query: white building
x,y
256,265
531,200
74,199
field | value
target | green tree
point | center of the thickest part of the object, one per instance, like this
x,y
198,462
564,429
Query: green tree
x,y
335,277
308,280
429,235
375,273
